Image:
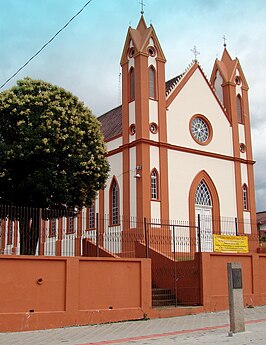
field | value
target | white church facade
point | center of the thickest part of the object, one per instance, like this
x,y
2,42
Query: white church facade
x,y
178,148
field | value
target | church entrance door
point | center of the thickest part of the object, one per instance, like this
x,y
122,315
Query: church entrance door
x,y
206,235
203,211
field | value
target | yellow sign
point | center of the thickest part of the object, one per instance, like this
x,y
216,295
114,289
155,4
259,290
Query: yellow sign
x,y
230,244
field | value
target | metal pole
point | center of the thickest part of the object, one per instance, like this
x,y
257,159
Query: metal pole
x,y
97,235
236,226
146,237
40,231
175,266
199,260
199,237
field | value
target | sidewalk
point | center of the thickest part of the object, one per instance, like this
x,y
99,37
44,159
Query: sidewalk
x,y
208,328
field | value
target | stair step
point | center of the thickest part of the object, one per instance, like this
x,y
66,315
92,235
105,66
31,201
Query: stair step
x,y
162,297
161,303
161,291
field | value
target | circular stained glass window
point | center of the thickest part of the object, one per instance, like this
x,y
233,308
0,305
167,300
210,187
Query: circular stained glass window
x,y
200,130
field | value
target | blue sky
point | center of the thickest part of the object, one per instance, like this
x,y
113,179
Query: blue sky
x,y
85,57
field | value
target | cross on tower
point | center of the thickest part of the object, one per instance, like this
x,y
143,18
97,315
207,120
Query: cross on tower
x,y
225,39
195,52
142,6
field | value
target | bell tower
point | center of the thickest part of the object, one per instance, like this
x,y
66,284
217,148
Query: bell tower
x,y
143,123
231,87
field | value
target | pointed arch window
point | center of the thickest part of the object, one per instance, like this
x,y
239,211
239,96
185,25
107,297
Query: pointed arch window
x,y
10,232
154,185
245,197
239,109
70,225
52,227
114,203
152,82
203,195
91,217
132,84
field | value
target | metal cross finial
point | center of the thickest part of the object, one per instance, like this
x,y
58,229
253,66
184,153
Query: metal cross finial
x,y
225,39
195,52
142,6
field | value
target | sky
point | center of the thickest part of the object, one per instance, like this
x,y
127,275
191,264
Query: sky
x,y
84,58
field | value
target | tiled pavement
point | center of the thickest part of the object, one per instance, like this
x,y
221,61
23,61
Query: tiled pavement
x,y
208,328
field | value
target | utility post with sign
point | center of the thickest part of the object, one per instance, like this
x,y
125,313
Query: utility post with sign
x,y
235,294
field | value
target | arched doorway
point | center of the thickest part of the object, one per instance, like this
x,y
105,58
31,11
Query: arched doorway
x,y
203,209
204,201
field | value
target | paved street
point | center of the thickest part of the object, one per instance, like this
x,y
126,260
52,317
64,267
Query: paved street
x,y
208,328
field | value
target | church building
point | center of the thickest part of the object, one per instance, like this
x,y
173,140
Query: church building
x,y
178,148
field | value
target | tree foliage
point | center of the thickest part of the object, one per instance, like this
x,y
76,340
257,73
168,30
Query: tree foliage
x,y
52,152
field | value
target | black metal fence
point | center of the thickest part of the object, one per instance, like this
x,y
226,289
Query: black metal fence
x,y
34,231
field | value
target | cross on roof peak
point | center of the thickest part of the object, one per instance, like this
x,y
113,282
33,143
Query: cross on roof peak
x,y
142,7
225,39
195,52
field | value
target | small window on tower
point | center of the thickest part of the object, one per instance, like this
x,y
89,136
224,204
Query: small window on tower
x,y
153,128
151,51
245,197
132,129
239,109
152,82
131,52
242,147
132,84
237,80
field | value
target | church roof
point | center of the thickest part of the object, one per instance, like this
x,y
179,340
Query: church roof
x,y
261,217
111,121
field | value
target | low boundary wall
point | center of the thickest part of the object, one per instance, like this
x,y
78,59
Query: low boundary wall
x,y
214,279
50,292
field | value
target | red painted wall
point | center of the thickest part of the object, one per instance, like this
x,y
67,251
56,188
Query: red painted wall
x,y
50,292
214,279
42,292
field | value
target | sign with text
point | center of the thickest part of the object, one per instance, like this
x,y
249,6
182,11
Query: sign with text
x,y
230,244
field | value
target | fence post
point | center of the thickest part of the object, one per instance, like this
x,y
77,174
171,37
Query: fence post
x,y
40,232
146,237
175,279
199,237
236,226
97,234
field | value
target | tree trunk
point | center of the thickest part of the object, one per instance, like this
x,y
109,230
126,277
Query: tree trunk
x,y
29,226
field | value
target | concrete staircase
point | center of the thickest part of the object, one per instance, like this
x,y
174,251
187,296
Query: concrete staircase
x,y
163,297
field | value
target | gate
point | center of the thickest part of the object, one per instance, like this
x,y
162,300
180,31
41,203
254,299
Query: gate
x,y
173,250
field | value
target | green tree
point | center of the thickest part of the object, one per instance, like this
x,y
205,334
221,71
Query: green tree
x,y
52,153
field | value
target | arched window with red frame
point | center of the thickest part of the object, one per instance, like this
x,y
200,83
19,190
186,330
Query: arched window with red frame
x,y
152,78
131,84
91,217
239,109
154,185
245,197
114,202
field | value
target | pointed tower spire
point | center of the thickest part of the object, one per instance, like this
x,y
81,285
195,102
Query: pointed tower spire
x,y
230,84
143,89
